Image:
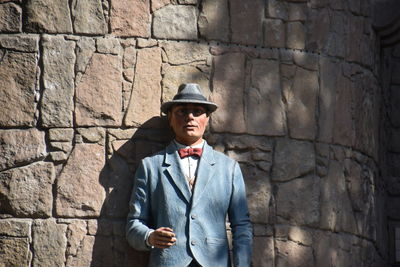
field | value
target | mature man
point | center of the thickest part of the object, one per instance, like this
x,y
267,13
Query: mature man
x,y
184,193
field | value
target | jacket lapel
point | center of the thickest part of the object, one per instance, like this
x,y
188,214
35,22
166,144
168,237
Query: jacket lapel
x,y
205,171
175,172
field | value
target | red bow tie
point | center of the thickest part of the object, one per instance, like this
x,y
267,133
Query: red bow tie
x,y
185,152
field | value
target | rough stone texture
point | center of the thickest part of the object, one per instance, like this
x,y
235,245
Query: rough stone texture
x,y
84,254
302,207
336,210
175,22
259,193
214,20
292,254
264,95
296,36
343,130
246,23
61,134
274,32
99,94
327,99
11,15
302,104
228,85
146,88
19,42
108,46
293,159
15,227
130,18
52,16
79,193
17,88
49,243
58,79
157,4
14,251
176,75
263,251
20,146
88,17
27,191
184,52
85,47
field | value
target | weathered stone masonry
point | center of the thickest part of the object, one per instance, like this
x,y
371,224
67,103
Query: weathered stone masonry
x,y
299,95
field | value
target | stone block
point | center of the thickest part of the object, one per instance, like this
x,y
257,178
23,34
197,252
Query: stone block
x,y
336,206
274,33
297,12
15,227
295,35
327,99
130,18
80,192
214,20
108,46
20,42
277,10
157,4
289,253
146,93
175,22
83,256
92,134
263,251
49,243
143,43
14,251
75,233
306,60
20,146
88,17
129,59
99,93
246,21
394,106
17,89
60,134
11,17
176,75
292,159
354,38
228,93
185,52
52,16
302,104
85,47
58,79
318,23
343,128
258,189
264,95
27,191
303,205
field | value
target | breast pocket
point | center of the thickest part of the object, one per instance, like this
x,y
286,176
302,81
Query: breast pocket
x,y
216,241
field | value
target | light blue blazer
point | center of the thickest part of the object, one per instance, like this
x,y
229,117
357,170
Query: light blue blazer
x,y
161,197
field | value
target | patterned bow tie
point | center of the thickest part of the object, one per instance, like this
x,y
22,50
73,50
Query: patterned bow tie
x,y
185,152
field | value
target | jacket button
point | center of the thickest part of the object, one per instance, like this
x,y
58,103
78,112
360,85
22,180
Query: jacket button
x,y
193,242
193,216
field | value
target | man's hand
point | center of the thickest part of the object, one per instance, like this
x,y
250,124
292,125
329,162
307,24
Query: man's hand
x,y
163,237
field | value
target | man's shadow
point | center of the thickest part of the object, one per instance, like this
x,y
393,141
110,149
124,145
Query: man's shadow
x,y
125,149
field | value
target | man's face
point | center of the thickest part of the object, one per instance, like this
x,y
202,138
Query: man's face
x,y
188,121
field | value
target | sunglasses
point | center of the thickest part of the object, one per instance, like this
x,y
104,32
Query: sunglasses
x,y
181,112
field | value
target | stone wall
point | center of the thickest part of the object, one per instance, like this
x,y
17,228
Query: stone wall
x,y
81,83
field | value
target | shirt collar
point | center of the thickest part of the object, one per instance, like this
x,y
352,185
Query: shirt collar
x,y
179,145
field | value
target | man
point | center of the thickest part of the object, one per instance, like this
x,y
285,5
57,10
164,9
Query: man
x,y
184,193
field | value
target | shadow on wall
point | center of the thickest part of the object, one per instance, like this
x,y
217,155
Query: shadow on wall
x,y
125,153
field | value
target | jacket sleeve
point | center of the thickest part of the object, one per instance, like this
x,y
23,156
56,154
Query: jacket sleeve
x,y
242,230
137,230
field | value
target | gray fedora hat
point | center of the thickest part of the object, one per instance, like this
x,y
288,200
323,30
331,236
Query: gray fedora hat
x,y
189,93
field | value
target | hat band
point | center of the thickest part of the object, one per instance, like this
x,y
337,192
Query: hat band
x,y
190,97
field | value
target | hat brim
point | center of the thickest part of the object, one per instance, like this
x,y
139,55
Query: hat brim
x,y
165,107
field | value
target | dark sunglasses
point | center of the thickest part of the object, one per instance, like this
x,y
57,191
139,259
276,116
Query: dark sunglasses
x,y
181,112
